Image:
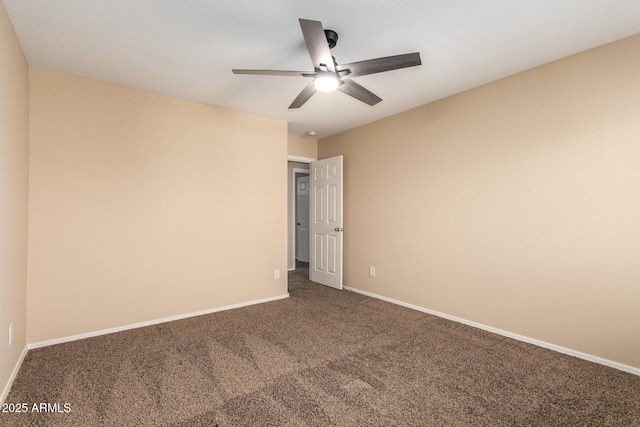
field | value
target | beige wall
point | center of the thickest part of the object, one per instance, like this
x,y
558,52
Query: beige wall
x,y
302,147
144,206
515,205
14,172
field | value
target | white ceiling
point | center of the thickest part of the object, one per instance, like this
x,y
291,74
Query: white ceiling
x,y
187,48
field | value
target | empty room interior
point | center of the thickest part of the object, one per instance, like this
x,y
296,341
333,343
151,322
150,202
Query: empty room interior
x,y
484,234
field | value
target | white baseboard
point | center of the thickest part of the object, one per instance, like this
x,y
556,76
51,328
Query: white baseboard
x,y
7,387
152,322
560,349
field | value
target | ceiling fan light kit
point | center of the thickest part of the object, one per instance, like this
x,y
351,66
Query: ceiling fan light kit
x,y
326,81
328,75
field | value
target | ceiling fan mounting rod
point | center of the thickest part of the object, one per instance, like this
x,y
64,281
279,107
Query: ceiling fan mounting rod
x,y
332,38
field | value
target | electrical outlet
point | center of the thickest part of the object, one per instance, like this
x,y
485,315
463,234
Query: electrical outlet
x,y
276,273
372,271
10,334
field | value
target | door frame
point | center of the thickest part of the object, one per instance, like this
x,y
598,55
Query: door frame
x,y
292,202
294,171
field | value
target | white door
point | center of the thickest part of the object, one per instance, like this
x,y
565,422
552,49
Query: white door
x,y
302,218
325,265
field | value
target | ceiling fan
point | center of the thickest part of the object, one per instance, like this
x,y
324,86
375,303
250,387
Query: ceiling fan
x,y
328,75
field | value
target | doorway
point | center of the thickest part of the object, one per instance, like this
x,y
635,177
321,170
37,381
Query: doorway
x,y
298,169
319,192
302,218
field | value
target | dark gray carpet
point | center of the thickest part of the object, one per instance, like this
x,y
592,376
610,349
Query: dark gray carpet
x,y
320,358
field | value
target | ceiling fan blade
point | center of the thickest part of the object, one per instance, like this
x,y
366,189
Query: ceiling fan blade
x,y
358,92
317,45
380,65
274,72
304,96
